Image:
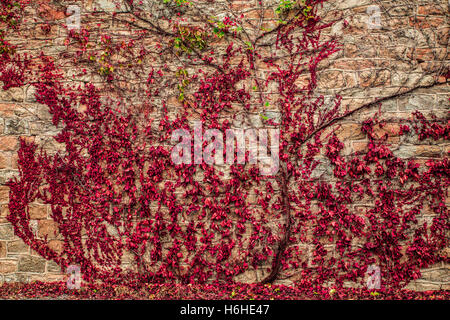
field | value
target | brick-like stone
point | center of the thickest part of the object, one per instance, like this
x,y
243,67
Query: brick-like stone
x,y
7,109
47,228
37,211
17,246
48,277
3,249
374,78
322,169
53,267
441,274
31,264
6,232
8,143
428,151
8,266
331,79
56,245
14,160
246,277
425,54
443,35
429,10
350,131
50,13
6,175
426,22
354,64
360,147
405,152
443,102
30,94
15,126
12,94
5,160
4,212
389,129
401,10
421,285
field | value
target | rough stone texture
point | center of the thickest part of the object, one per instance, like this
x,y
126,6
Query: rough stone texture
x,y
18,247
8,266
31,264
2,249
6,232
47,228
373,63
38,211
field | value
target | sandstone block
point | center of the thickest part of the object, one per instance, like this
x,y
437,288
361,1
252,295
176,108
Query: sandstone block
x,y
31,264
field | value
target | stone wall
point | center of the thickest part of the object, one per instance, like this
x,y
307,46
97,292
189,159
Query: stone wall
x,y
401,61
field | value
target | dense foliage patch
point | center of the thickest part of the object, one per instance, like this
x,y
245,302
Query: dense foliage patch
x,y
58,290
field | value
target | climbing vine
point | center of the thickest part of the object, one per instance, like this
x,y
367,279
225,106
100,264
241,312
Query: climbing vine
x,y
115,193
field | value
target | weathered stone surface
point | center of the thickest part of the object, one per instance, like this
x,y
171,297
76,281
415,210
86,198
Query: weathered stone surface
x,y
375,78
15,126
48,277
331,79
417,102
37,211
30,94
405,152
2,249
18,246
7,110
53,267
6,232
428,151
12,94
16,277
246,277
421,285
8,266
56,245
47,228
8,143
443,101
108,6
440,274
389,130
31,264
350,131
4,211
6,175
5,160
323,169
390,105
360,147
